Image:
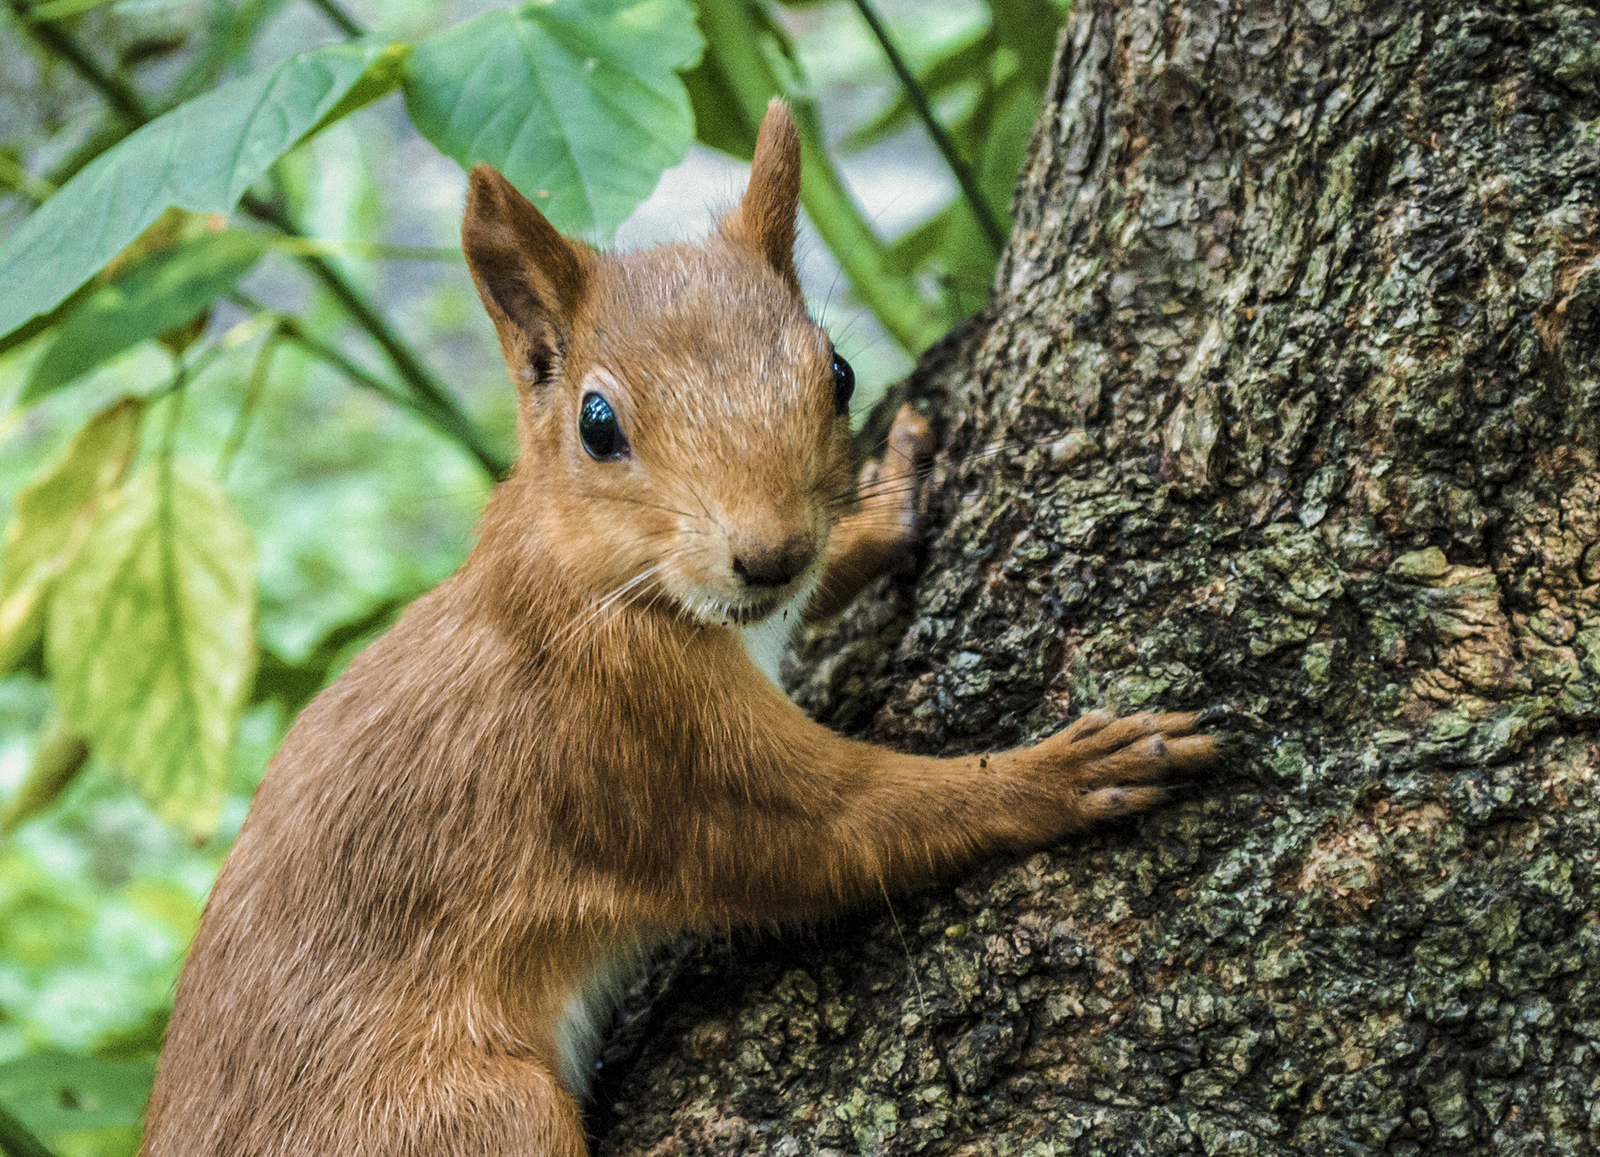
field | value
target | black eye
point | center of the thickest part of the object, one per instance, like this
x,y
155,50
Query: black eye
x,y
844,383
599,429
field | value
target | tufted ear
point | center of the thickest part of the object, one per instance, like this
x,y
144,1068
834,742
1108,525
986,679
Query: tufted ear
x,y
532,280
765,218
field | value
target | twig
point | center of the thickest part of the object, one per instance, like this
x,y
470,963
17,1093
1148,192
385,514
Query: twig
x,y
430,392
346,23
919,101
117,91
446,421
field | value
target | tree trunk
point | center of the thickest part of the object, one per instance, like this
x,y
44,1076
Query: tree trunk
x,y
1289,400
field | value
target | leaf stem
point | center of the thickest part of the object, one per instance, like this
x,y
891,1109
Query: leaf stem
x,y
919,101
342,19
117,91
247,406
175,392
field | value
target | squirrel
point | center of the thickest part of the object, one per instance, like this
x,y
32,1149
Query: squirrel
x,y
575,748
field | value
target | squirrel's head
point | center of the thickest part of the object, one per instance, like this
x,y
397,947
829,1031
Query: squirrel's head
x,y
683,422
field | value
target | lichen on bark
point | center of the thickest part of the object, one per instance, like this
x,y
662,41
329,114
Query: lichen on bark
x,y
1289,400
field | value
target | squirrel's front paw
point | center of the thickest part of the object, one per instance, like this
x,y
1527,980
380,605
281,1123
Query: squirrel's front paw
x,y
1117,764
888,485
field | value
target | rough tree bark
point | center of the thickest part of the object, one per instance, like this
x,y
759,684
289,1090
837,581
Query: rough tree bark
x,y
1289,399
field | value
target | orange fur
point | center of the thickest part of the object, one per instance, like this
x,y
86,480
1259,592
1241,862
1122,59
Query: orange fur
x,y
565,752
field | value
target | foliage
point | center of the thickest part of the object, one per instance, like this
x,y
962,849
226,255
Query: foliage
x,y
205,520
583,106
150,644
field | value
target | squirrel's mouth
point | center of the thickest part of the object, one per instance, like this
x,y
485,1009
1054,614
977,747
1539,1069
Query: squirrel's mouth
x,y
746,608
723,613
743,616
732,604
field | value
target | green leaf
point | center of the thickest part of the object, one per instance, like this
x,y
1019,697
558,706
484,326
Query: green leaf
x,y
150,644
294,684
382,77
722,117
16,1140
163,291
951,246
61,9
719,121
1028,28
36,325
201,156
59,1093
912,249
577,102
50,518
1006,145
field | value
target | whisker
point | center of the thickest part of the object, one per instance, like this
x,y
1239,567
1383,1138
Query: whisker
x,y
639,502
605,496
595,611
887,483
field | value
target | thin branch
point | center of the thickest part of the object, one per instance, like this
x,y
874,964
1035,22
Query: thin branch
x,y
447,421
117,91
430,392
357,374
345,22
919,101
375,250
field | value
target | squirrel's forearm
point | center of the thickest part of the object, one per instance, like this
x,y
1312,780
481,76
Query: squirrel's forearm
x,y
846,820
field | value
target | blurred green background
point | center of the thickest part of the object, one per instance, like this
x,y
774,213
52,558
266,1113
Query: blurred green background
x,y
356,504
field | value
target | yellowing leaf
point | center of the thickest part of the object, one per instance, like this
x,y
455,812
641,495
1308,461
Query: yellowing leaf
x,y
151,638
50,517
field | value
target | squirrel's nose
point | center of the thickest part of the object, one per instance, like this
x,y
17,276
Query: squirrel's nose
x,y
773,566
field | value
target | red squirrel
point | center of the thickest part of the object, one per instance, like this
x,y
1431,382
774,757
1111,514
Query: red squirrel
x,y
574,748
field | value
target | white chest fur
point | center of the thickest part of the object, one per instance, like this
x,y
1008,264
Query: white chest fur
x,y
765,641
587,1013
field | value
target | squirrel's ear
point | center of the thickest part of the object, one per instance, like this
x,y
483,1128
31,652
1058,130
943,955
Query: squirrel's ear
x,y
765,218
532,280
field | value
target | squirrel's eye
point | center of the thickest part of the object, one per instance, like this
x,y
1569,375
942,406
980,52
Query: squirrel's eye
x,y
600,430
844,383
